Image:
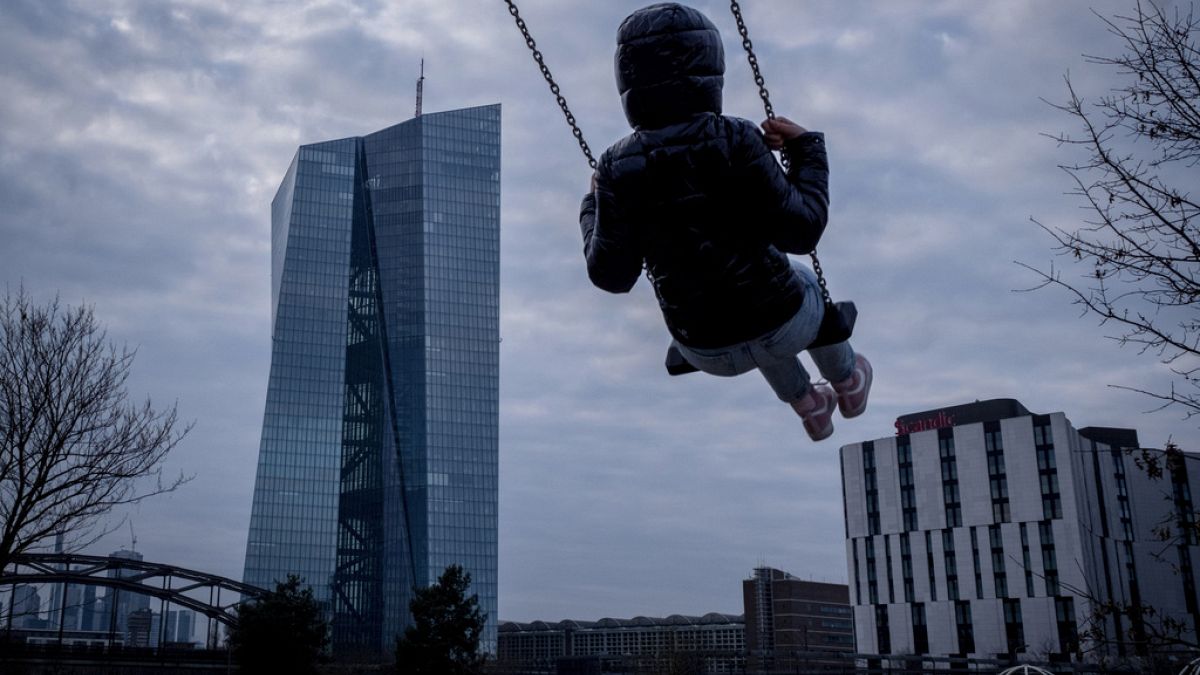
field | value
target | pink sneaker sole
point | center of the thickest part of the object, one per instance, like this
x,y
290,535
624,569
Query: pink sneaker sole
x,y
817,413
852,393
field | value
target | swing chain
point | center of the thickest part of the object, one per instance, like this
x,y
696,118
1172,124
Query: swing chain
x,y
752,58
554,88
765,95
820,278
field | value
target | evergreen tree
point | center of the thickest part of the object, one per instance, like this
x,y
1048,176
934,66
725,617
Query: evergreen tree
x,y
447,624
282,632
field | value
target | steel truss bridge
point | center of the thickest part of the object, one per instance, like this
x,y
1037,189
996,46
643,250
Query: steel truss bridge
x,y
213,596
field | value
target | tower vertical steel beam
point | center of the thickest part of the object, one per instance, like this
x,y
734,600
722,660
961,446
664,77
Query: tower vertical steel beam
x,y
358,576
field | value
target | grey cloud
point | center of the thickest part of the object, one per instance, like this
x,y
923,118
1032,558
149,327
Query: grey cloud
x,y
137,167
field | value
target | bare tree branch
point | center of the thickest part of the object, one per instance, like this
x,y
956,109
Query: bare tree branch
x,y
1135,258
72,446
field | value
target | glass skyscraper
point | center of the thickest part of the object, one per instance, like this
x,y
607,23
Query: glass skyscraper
x,y
378,461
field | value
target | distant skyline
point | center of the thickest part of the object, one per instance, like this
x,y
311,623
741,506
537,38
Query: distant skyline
x,y
141,143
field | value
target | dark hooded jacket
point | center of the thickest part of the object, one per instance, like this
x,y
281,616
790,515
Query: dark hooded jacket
x,y
697,197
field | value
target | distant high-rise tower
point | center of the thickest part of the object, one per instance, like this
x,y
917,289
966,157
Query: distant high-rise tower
x,y
126,602
26,604
180,625
378,461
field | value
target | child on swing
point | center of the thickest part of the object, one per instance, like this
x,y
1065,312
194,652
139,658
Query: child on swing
x,y
699,200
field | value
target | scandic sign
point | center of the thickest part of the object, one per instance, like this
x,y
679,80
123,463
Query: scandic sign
x,y
939,420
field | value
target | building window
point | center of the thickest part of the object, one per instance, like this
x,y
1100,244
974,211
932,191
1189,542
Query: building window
x,y
1014,629
1122,495
908,493
1068,636
1137,624
977,565
950,496
929,564
920,629
1043,444
997,478
857,575
1182,495
883,634
1049,561
962,623
872,579
906,567
996,541
872,487
1026,560
950,563
887,558
1184,514
1105,536
845,506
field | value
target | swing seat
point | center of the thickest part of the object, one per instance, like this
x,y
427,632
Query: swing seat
x,y
837,326
676,364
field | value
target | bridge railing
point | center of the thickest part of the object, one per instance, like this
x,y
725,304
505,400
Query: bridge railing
x,y
212,596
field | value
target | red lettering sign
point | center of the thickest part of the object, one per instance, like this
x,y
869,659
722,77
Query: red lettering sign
x,y
939,421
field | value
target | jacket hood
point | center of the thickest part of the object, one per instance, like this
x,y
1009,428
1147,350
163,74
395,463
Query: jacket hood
x,y
670,65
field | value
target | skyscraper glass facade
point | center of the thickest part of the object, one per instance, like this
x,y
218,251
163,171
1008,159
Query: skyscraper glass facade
x,y
378,460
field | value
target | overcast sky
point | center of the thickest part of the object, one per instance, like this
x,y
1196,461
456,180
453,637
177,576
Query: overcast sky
x,y
141,144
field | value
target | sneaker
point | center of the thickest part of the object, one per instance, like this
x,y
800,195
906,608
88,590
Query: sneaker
x,y
852,392
816,409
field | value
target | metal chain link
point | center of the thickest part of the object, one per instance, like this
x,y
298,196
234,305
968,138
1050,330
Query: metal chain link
x,y
765,95
752,58
554,88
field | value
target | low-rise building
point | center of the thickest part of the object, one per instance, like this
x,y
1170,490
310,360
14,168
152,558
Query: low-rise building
x,y
713,643
785,614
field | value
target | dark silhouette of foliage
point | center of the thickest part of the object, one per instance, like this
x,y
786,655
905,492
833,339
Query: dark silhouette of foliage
x,y
283,632
73,447
1139,244
447,625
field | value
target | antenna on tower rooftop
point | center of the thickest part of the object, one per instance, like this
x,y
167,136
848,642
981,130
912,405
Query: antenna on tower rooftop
x,y
420,87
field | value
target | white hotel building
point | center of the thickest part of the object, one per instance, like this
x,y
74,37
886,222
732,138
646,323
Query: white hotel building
x,y
982,529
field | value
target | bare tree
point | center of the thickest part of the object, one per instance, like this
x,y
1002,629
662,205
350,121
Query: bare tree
x,y
72,445
1135,262
1139,243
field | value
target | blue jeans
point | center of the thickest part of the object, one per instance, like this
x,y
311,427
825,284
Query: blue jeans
x,y
775,353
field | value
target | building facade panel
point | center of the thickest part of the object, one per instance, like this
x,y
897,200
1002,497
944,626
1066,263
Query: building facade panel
x,y
940,617
1022,470
972,475
927,480
864,629
293,521
889,486
854,499
1071,481
989,628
